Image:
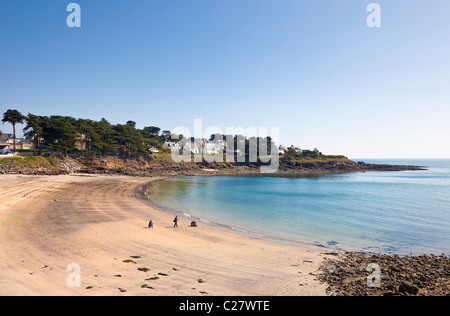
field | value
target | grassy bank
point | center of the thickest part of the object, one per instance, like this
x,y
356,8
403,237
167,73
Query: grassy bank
x,y
33,161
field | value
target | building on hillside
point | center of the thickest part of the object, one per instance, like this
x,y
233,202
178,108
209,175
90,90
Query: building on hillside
x,y
80,142
212,149
6,139
312,153
194,147
297,149
169,145
21,143
282,149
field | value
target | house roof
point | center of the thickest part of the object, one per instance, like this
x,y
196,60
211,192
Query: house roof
x,y
194,145
5,136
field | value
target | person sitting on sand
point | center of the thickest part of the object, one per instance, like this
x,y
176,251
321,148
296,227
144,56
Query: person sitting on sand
x,y
150,224
193,224
175,220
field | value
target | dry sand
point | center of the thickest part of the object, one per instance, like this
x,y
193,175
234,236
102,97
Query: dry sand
x,y
95,222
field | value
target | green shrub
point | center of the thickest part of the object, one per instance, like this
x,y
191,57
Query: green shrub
x,y
32,161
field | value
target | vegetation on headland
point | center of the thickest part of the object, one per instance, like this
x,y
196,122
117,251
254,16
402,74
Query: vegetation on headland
x,y
65,145
33,161
64,135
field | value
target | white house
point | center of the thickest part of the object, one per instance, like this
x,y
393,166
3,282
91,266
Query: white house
x,y
297,149
212,149
194,147
282,149
169,145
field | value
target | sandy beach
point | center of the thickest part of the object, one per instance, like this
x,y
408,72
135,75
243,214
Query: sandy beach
x,y
48,223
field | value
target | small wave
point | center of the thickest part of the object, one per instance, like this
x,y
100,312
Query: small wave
x,y
240,230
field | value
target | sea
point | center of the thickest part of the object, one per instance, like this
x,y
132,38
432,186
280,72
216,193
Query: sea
x,y
404,212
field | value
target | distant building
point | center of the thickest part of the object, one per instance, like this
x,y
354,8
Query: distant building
x,y
80,143
25,144
21,143
297,149
212,149
4,137
169,145
194,147
312,153
282,149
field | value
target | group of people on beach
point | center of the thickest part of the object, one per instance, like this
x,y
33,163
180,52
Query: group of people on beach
x,y
175,220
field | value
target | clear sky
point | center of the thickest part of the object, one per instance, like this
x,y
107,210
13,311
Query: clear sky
x,y
314,69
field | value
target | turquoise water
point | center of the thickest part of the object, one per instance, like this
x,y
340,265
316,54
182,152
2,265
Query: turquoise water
x,y
382,212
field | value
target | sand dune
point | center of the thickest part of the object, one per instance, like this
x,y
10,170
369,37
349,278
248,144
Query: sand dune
x,y
95,222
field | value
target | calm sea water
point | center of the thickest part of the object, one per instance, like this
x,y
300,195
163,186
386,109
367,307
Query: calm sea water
x,y
382,212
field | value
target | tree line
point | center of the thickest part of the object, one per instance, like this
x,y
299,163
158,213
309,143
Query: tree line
x,y
66,134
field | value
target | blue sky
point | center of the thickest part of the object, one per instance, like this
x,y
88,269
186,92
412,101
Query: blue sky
x,y
311,68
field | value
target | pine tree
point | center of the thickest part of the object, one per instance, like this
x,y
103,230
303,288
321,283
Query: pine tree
x,y
13,117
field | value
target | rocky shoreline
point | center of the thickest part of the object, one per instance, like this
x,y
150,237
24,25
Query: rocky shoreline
x,y
168,168
197,169
351,273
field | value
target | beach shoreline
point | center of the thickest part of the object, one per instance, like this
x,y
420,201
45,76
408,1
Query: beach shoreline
x,y
164,166
221,226
51,224
96,223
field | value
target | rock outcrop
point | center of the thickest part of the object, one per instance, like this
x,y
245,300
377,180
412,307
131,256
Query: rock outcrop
x,y
167,168
140,167
347,274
